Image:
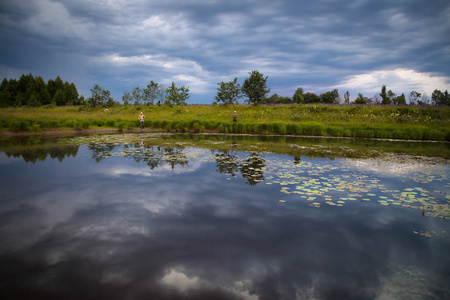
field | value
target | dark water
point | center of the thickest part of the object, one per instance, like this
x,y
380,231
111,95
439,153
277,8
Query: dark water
x,y
108,218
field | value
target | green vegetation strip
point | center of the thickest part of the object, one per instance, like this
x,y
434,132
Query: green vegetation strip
x,y
386,122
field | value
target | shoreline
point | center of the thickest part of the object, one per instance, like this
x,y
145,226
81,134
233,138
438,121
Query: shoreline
x,y
58,132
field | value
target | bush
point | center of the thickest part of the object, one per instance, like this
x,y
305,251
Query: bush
x,y
68,123
121,126
196,127
221,128
110,123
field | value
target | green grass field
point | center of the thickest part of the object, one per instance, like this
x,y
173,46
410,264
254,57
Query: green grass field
x,y
388,122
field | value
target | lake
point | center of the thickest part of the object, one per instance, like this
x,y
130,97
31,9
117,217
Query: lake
x,y
160,216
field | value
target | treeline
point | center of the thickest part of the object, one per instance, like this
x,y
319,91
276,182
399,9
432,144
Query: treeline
x,y
256,90
299,97
34,91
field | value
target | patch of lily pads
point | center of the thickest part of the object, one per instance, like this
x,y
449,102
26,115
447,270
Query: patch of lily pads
x,y
332,183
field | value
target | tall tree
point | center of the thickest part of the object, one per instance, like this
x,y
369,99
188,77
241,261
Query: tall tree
x,y
54,85
25,84
384,97
39,89
347,97
126,98
414,97
360,99
176,95
59,98
137,95
440,98
400,100
70,94
298,96
228,92
255,87
8,92
99,96
153,91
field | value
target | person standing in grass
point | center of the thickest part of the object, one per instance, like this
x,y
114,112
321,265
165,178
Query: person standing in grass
x,y
234,116
141,120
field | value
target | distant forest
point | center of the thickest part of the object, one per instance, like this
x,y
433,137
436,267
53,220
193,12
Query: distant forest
x,y
34,92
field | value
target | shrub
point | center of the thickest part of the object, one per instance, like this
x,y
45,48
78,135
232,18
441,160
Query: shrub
x,y
68,123
196,127
221,128
110,123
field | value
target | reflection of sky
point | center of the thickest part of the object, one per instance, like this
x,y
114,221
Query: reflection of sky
x,y
108,230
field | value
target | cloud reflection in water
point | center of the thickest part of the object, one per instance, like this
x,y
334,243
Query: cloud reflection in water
x,y
189,232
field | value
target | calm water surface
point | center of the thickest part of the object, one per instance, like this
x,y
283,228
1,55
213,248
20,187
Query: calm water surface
x,y
132,217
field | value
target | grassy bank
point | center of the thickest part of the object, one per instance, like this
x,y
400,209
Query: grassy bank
x,y
391,122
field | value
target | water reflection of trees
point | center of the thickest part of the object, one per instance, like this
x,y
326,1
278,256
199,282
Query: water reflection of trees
x,y
41,154
157,156
227,162
251,168
100,151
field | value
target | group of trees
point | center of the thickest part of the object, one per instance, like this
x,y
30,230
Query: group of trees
x,y
34,91
255,88
415,98
155,92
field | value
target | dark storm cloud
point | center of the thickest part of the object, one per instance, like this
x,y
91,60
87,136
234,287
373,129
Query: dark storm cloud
x,y
319,45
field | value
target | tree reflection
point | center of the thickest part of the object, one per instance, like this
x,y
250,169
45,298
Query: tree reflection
x,y
227,162
157,156
252,169
31,155
100,151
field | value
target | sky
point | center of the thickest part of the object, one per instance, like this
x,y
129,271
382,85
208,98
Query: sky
x,y
354,46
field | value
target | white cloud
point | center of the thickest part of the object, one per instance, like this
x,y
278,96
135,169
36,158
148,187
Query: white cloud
x,y
178,280
397,80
